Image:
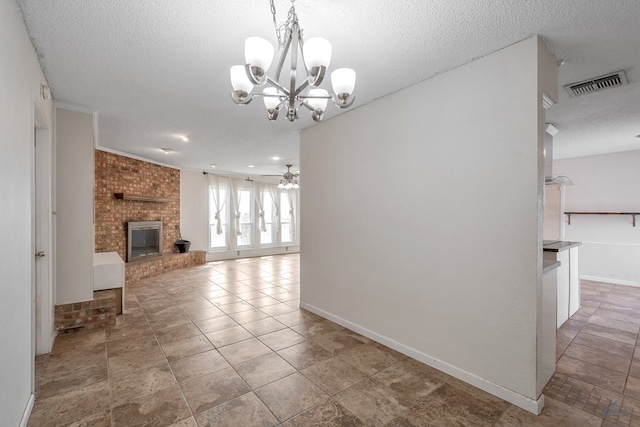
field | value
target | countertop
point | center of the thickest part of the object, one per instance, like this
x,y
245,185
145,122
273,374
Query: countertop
x,y
558,246
549,265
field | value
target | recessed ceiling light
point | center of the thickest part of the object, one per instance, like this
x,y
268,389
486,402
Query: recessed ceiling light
x,y
183,137
275,158
561,62
638,136
252,166
167,150
213,165
297,171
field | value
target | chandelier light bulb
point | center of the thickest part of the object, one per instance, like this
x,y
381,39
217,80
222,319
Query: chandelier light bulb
x,y
271,102
317,53
343,81
241,84
318,103
258,53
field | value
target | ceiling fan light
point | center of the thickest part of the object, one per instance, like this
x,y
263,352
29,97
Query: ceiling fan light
x,y
258,52
241,84
343,81
317,53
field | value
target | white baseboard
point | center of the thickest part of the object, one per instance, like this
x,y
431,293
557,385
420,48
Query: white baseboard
x,y
610,280
27,411
532,405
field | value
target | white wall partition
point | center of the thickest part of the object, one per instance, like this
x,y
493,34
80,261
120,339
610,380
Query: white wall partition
x,y
194,209
74,205
20,80
434,246
610,250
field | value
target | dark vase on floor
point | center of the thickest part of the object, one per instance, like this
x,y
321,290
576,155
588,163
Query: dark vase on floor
x,y
183,245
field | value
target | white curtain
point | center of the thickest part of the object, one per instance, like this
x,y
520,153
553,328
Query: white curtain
x,y
274,193
258,189
217,183
291,196
236,186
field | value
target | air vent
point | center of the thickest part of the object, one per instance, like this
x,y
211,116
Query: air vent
x,y
597,84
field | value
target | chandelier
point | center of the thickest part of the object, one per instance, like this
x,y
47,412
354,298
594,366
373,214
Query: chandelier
x,y
288,180
315,54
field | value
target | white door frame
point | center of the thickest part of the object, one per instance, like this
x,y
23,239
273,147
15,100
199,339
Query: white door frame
x,y
43,233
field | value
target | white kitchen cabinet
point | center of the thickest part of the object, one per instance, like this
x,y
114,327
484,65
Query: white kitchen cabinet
x,y
568,291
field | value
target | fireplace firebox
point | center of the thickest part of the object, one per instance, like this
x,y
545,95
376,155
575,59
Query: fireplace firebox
x,y
144,240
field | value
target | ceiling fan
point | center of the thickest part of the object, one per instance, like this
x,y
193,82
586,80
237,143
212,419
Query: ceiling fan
x,y
288,179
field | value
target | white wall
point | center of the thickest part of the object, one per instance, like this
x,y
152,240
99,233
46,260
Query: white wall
x,y
194,209
434,246
20,79
610,250
74,205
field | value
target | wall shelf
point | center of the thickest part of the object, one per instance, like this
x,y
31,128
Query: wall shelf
x,y
142,198
633,215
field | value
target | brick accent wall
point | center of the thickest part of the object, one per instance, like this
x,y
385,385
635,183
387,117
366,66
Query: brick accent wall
x,y
119,174
100,312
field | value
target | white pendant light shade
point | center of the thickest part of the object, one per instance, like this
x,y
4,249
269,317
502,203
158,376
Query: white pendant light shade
x,y
343,80
318,103
239,80
271,102
258,52
317,52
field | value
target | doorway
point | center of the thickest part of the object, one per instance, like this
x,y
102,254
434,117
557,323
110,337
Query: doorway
x,y
43,295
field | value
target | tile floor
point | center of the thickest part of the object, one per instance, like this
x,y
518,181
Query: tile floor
x,y
225,344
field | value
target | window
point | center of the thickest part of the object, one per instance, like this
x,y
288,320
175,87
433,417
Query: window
x,y
266,237
245,208
218,241
285,219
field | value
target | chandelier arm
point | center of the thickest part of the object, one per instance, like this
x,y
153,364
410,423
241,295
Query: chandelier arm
x,y
295,34
283,56
302,87
277,86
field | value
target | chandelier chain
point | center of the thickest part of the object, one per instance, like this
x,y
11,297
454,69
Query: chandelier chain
x,y
283,31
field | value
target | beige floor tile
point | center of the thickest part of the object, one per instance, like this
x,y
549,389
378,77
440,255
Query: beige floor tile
x,y
200,364
370,359
304,355
592,374
246,411
598,357
315,328
73,341
176,333
243,351
228,336
249,316
213,389
554,414
333,375
609,333
215,324
281,339
84,403
235,307
329,413
264,369
186,347
163,407
373,403
187,422
130,385
277,396
276,309
263,326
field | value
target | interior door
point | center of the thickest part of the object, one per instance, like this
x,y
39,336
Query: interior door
x,y
43,240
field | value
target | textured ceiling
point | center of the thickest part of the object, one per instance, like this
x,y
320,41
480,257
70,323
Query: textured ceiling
x,y
157,69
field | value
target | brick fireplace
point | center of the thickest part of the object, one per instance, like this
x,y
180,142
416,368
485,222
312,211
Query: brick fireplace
x,y
120,174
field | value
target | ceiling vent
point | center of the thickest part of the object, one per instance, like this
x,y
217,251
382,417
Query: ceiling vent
x,y
596,84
